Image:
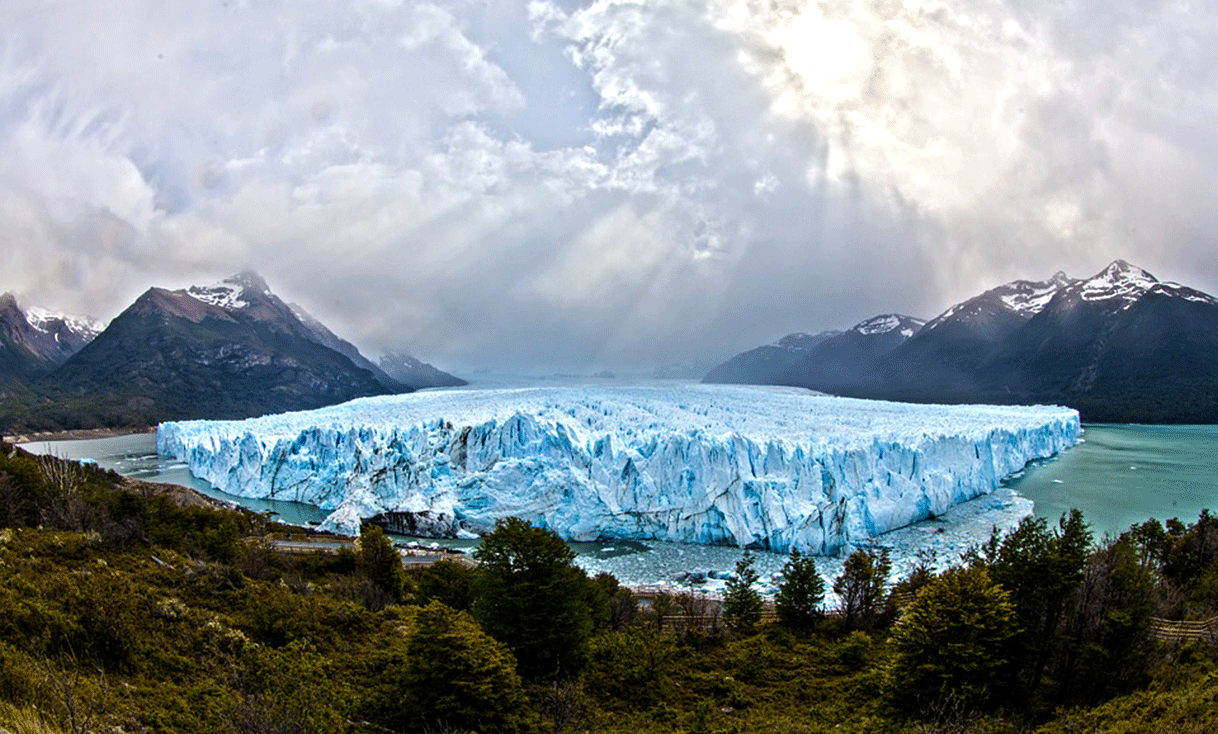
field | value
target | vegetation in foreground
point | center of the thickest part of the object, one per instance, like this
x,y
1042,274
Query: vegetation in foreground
x,y
122,611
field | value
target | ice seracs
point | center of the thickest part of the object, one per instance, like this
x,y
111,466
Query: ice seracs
x,y
766,467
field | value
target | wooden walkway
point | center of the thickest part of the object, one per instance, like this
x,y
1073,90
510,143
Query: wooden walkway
x,y
1172,631
304,544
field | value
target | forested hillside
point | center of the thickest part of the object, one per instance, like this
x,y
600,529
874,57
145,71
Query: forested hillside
x,y
125,607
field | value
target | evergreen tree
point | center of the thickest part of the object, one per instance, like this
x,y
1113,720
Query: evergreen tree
x,y
530,595
455,677
1040,569
800,593
741,602
381,562
949,644
861,587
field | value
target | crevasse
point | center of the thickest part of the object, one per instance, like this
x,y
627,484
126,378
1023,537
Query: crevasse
x,y
763,467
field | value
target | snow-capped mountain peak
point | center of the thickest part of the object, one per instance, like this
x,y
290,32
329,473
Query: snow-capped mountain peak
x,y
47,322
230,293
889,322
1119,281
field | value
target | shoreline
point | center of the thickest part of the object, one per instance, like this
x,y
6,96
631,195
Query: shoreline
x,y
79,434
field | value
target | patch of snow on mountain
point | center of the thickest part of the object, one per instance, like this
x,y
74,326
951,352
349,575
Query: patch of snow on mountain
x,y
800,341
230,292
42,320
1028,298
1119,281
226,295
878,325
777,468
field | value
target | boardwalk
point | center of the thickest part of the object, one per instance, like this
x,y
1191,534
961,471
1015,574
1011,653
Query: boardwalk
x,y
1170,631
304,544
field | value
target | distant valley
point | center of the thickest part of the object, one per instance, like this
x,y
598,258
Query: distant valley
x,y
1119,347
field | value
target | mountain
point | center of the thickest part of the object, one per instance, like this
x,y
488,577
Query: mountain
x,y
946,353
230,350
321,334
770,364
35,341
851,359
827,361
1120,346
409,371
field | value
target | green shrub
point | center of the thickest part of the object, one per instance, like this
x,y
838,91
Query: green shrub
x,y
630,667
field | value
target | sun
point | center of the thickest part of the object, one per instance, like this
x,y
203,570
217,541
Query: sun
x,y
827,55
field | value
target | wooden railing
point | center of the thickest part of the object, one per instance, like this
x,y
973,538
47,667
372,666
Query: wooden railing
x,y
1173,631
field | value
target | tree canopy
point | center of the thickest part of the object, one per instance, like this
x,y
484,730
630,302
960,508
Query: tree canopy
x,y
531,596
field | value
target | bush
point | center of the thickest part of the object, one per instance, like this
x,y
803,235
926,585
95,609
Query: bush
x,y
951,642
455,677
630,667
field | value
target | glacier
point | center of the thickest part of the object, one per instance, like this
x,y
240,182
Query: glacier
x,y
762,467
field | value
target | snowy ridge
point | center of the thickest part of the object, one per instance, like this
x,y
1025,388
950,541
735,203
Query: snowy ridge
x,y
1182,291
1028,298
1023,297
44,320
229,293
775,468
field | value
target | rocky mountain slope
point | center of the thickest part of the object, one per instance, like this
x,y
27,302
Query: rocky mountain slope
x,y
1120,346
416,374
230,350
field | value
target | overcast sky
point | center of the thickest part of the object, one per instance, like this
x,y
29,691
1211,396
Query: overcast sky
x,y
573,185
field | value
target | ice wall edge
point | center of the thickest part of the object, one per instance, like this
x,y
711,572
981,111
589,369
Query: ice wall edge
x,y
742,466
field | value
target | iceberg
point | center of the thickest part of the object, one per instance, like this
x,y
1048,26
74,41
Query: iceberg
x,y
760,467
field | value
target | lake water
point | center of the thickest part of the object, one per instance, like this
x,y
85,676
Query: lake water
x,y
1123,474
1117,476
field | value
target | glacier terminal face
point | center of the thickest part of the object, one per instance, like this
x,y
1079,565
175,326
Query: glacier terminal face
x,y
773,468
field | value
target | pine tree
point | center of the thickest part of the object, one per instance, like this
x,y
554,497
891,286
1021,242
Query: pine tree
x,y
861,587
801,592
741,602
530,595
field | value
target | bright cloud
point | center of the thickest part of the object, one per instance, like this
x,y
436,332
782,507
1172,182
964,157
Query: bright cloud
x,y
600,183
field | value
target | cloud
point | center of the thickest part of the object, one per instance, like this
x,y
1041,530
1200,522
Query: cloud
x,y
575,184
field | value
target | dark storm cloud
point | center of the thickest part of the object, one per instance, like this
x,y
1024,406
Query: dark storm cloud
x,y
565,185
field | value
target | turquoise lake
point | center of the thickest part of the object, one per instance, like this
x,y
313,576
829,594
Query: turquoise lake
x,y
1123,474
